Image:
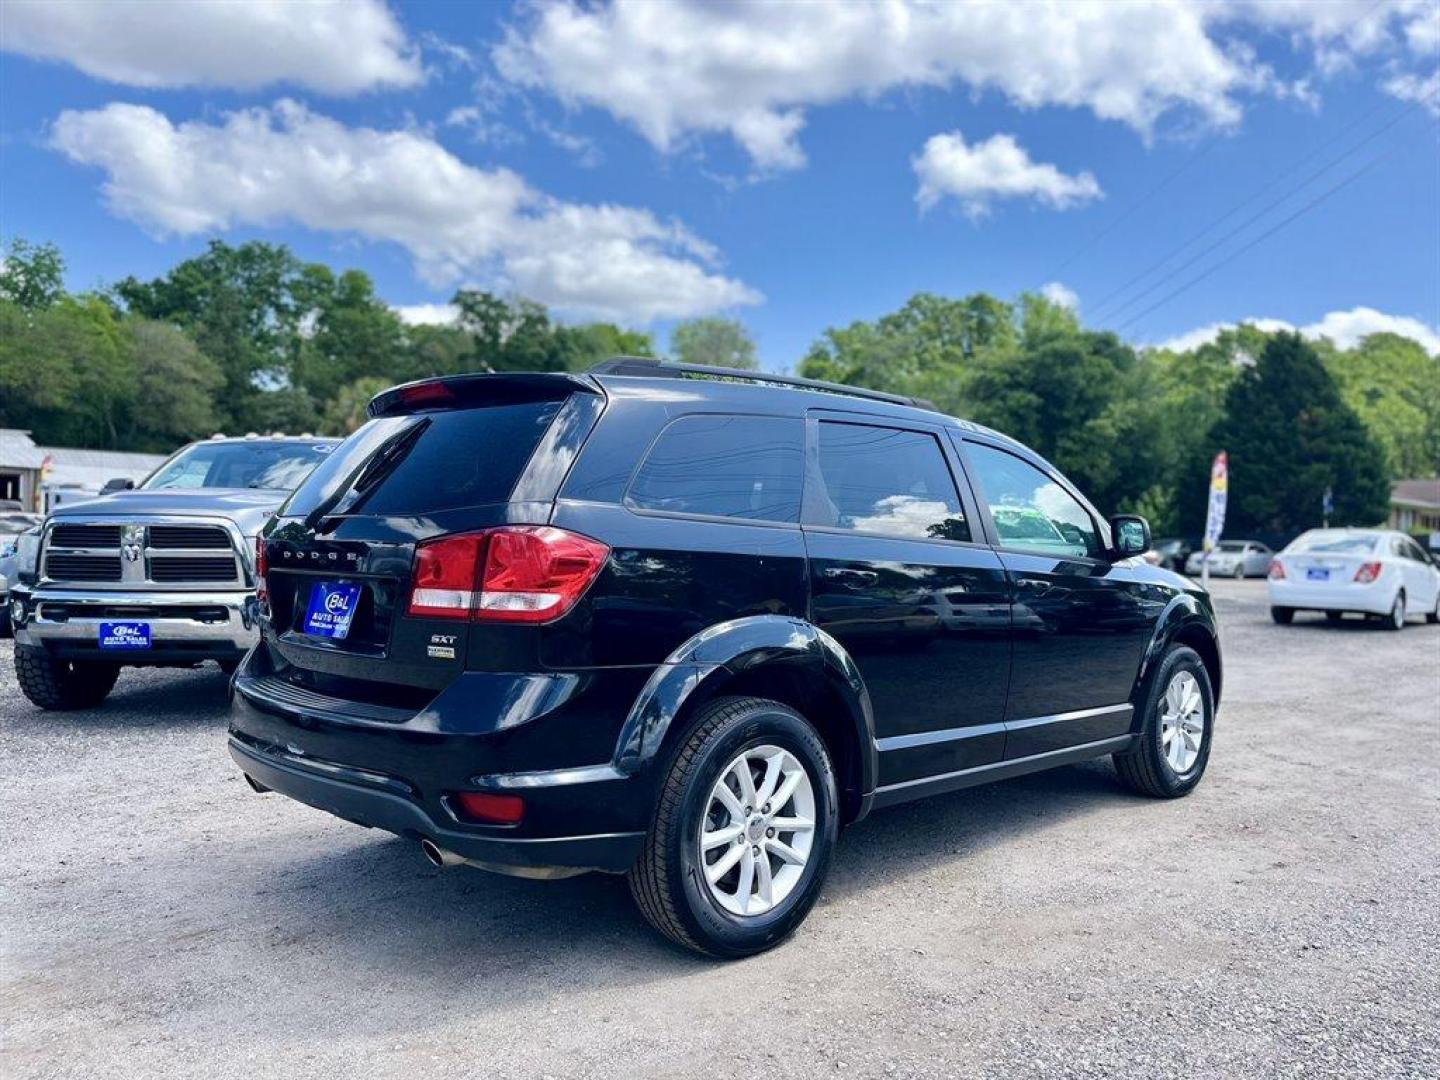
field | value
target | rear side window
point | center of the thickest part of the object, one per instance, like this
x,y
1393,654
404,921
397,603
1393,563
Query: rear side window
x,y
886,481
1030,510
428,462
746,467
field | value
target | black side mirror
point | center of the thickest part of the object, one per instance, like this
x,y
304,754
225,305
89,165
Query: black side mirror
x,y
1131,534
119,483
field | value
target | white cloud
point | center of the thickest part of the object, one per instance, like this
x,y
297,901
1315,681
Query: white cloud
x,y
1424,89
286,164
998,168
1059,293
676,67
426,314
333,46
1344,328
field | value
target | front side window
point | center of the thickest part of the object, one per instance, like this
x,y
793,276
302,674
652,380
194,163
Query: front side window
x,y
886,481
1030,510
748,467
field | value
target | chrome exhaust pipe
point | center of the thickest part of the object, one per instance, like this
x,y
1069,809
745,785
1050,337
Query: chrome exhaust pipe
x,y
440,858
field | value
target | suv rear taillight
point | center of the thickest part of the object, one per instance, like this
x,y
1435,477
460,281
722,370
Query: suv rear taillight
x,y
262,591
1277,570
518,573
1368,572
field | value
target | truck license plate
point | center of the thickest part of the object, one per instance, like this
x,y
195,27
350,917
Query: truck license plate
x,y
124,635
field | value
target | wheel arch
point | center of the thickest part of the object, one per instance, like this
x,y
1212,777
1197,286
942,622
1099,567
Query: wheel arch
x,y
1185,621
778,657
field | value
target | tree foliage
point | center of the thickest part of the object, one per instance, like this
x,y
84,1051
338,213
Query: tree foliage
x,y
1290,437
714,342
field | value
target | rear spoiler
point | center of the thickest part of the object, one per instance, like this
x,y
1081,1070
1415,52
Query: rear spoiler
x,y
460,391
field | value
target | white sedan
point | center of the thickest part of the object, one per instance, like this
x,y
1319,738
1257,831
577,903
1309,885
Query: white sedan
x,y
1368,571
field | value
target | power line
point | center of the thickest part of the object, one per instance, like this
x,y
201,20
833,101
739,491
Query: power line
x,y
1200,234
1129,211
1253,243
1242,226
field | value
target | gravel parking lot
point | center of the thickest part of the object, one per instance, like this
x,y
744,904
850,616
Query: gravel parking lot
x,y
159,919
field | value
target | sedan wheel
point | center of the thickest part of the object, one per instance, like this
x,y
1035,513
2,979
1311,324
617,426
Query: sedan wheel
x,y
1396,619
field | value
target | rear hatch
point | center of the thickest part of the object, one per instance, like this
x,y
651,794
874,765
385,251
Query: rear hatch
x,y
443,457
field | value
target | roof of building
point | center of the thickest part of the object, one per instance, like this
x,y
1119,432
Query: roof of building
x,y
1424,493
18,450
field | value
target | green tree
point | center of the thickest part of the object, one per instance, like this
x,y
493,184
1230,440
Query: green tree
x,y
346,410
1289,436
1394,387
238,306
714,342
346,333
926,349
31,275
175,385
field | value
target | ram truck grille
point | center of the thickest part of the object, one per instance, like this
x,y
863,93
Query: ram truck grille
x,y
140,554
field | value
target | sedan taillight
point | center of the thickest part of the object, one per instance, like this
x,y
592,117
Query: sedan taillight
x,y
1368,572
518,573
1277,570
262,590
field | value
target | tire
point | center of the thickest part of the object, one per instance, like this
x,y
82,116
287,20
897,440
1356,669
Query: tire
x,y
1239,574
1283,615
1396,619
1146,768
62,684
669,881
1334,616
5,628
229,667
1433,616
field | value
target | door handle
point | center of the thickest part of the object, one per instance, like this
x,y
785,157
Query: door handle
x,y
846,573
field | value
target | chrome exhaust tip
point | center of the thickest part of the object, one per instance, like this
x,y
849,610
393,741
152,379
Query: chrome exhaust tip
x,y
437,856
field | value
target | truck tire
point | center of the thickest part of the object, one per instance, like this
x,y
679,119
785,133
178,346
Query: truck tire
x,y
769,865
1180,702
62,684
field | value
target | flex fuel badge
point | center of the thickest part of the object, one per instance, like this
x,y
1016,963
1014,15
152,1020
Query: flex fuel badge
x,y
441,647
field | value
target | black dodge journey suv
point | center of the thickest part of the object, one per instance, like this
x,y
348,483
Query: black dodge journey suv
x,y
685,623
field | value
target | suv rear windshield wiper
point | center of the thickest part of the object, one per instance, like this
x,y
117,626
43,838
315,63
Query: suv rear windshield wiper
x,y
367,477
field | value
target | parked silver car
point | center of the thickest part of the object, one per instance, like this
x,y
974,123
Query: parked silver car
x,y
1233,558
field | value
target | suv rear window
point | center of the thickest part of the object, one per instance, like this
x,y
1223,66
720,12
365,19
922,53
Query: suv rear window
x,y
887,481
724,466
442,461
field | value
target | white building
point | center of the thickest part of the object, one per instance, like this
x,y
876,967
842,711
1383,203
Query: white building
x,y
42,477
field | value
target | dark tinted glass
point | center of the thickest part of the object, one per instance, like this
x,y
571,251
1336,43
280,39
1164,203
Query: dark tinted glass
x,y
1031,511
726,466
465,457
880,480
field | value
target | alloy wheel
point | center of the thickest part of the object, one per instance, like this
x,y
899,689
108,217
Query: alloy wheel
x,y
1182,722
757,830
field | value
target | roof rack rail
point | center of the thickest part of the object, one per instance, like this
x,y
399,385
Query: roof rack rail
x,y
649,367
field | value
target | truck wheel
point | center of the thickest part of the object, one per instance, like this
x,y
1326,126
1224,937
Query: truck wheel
x,y
1174,746
1283,615
62,684
744,825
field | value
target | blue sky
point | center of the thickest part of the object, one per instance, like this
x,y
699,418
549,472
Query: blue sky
x,y
795,166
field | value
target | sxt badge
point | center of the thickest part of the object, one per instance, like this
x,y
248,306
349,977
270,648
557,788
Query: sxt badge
x,y
441,647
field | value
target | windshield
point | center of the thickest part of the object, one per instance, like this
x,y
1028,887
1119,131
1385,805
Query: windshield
x,y
1337,543
278,466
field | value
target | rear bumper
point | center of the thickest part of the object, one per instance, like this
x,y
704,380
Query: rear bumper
x,y
547,738
184,626
1374,599
379,802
